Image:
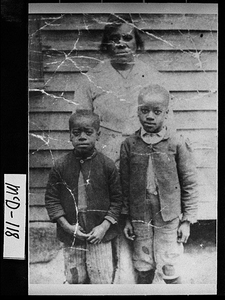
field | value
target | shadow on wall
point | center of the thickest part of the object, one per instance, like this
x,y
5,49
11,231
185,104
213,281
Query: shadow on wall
x,y
203,233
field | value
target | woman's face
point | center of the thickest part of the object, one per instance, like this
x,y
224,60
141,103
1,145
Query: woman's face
x,y
122,44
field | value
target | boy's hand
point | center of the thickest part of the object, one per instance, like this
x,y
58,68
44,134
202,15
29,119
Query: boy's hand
x,y
76,230
80,233
98,232
183,232
128,231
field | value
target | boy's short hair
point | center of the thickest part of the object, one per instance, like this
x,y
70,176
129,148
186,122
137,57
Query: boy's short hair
x,y
87,113
113,22
154,89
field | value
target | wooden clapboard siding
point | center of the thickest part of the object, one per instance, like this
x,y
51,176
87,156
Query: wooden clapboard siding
x,y
37,196
163,60
49,140
59,140
39,213
204,157
142,21
205,208
183,47
194,101
153,39
45,158
181,81
184,119
35,51
39,176
181,60
50,101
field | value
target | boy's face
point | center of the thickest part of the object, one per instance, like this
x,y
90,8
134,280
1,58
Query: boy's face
x,y
83,135
122,43
152,111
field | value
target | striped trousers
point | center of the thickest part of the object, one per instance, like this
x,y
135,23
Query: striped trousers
x,y
94,264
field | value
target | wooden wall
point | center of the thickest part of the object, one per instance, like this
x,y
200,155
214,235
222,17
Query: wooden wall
x,y
182,46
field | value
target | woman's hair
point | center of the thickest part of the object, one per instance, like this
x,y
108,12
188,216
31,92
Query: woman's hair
x,y
115,21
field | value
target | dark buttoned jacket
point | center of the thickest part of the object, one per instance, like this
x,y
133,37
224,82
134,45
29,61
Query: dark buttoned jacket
x,y
175,174
103,190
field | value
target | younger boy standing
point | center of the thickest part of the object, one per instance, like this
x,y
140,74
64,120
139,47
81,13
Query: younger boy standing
x,y
159,186
83,196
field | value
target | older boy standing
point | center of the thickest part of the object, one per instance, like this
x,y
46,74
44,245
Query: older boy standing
x,y
159,185
83,196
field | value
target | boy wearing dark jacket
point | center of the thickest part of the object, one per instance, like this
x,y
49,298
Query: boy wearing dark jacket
x,y
159,185
83,197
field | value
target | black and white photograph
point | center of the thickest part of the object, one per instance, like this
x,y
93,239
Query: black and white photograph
x,y
125,202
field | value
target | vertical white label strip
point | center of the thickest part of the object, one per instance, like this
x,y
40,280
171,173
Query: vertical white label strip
x,y
14,216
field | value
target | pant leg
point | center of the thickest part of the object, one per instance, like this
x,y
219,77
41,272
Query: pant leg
x,y
125,273
75,264
100,264
109,145
143,256
167,250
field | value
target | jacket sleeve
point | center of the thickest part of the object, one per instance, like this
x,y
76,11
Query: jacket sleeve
x,y
124,177
187,173
115,195
52,195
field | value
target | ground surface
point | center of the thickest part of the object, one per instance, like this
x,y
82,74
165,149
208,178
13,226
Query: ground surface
x,y
199,263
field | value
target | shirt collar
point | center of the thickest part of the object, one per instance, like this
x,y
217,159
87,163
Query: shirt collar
x,y
83,158
160,134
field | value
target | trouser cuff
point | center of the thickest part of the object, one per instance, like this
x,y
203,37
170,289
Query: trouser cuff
x,y
173,281
145,277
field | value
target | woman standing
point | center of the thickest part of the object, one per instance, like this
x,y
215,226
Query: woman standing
x,y
111,88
